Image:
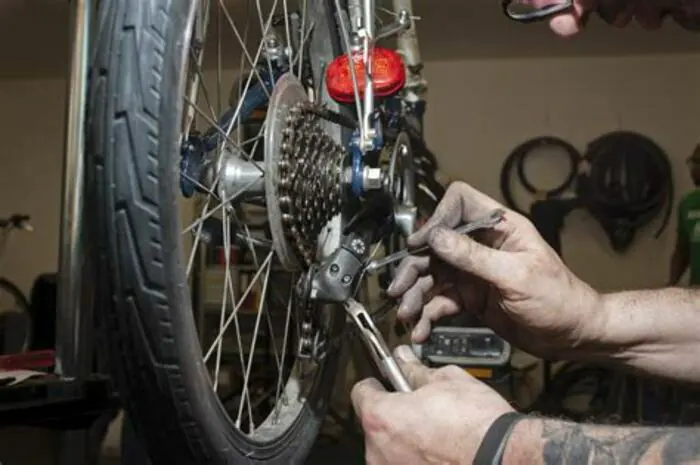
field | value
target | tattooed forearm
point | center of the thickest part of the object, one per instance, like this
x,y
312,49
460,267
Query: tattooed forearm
x,y
572,443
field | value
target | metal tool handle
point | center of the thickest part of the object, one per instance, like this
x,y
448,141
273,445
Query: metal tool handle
x,y
488,221
377,346
536,15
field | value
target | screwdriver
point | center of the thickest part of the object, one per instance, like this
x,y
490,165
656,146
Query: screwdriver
x,y
488,221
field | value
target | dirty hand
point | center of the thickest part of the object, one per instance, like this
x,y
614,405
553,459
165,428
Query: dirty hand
x,y
508,276
648,13
442,421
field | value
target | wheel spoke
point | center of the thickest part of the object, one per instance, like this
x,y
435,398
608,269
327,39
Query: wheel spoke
x,y
227,279
228,289
256,330
224,134
238,204
284,347
243,297
200,78
199,222
302,37
287,30
248,238
252,62
344,32
264,35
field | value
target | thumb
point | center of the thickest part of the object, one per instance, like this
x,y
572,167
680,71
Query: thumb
x,y
416,373
365,394
466,254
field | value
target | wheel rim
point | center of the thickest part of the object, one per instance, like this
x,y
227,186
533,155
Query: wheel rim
x,y
227,211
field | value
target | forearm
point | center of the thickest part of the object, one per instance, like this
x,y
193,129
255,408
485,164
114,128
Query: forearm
x,y
654,331
553,442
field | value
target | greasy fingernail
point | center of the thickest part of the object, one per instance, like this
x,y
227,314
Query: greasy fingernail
x,y
416,334
402,310
405,354
392,287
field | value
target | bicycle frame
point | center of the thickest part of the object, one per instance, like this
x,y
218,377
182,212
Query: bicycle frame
x,y
74,327
72,358
362,19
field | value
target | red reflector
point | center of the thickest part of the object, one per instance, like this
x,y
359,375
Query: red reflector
x,y
388,73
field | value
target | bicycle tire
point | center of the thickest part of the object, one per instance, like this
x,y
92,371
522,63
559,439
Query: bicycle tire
x,y
150,337
22,307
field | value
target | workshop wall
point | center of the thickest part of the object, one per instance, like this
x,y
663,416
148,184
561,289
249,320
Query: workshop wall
x,y
496,103
478,111
32,115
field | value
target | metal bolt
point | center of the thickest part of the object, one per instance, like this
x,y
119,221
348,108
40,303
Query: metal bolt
x,y
372,178
347,279
358,246
404,18
334,269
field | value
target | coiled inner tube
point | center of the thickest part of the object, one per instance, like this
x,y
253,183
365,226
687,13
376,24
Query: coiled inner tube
x,y
516,161
629,181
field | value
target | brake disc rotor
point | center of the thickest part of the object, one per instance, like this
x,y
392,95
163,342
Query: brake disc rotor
x,y
303,174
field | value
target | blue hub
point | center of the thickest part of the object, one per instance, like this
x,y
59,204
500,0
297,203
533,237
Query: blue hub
x,y
198,146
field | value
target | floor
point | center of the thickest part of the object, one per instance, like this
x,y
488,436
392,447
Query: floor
x,y
28,446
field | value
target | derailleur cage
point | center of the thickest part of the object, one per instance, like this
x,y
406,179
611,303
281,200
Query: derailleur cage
x,y
332,282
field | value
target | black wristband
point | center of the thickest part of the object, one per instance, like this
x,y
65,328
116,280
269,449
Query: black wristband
x,y
493,445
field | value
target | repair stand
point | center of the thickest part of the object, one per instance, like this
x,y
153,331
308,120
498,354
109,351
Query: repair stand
x,y
75,361
30,395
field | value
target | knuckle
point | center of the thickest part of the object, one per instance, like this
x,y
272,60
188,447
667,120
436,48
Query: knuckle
x,y
464,245
449,372
434,310
408,267
408,309
457,187
464,251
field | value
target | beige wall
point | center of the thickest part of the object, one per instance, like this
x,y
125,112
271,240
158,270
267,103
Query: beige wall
x,y
478,111
31,162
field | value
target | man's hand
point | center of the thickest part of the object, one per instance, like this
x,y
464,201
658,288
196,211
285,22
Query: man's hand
x,y
442,421
447,416
508,276
648,13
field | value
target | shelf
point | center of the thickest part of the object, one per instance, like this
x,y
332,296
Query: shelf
x,y
55,403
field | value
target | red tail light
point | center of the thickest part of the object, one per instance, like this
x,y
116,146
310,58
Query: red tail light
x,y
388,74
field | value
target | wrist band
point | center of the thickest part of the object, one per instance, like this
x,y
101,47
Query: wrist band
x,y
493,445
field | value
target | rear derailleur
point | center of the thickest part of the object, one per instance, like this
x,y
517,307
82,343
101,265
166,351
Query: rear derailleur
x,y
337,278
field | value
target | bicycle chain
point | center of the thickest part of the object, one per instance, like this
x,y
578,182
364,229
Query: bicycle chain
x,y
336,343
310,179
310,182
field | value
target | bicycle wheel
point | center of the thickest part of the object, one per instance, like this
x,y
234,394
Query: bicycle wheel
x,y
15,319
148,146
